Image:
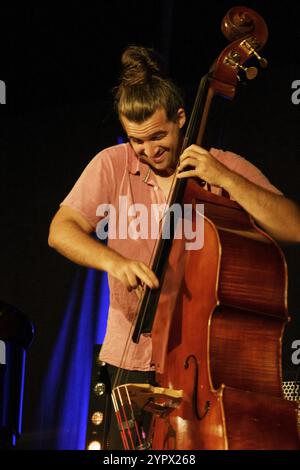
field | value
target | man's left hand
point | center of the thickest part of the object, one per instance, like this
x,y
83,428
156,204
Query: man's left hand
x,y
205,166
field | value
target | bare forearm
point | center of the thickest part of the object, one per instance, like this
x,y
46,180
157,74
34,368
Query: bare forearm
x,y
74,243
277,215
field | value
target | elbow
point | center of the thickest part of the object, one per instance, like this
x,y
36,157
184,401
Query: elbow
x,y
295,223
52,238
51,243
297,236
291,237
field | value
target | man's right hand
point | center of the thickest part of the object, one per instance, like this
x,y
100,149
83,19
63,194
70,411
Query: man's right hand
x,y
133,274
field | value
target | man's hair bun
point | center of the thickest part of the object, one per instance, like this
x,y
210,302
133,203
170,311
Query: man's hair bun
x,y
139,65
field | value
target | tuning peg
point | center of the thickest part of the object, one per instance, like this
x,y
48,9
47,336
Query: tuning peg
x,y
262,61
251,48
233,59
250,72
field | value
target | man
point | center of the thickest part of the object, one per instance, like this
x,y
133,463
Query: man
x,y
151,111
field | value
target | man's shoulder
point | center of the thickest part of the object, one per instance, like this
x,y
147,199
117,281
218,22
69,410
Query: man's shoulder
x,y
230,159
115,160
115,153
224,154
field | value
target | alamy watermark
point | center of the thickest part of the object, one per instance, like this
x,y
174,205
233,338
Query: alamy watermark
x,y
2,353
296,354
138,221
2,92
296,94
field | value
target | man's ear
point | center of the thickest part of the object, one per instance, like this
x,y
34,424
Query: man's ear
x,y
181,117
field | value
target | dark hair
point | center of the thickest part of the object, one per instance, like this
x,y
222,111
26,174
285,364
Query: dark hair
x,y
144,88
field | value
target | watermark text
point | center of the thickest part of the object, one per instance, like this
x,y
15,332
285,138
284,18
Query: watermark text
x,y
296,94
296,354
2,352
137,221
2,92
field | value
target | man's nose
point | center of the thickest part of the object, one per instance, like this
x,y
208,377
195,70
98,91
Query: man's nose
x,y
151,149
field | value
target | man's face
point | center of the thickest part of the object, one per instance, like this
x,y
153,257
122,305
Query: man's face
x,y
156,141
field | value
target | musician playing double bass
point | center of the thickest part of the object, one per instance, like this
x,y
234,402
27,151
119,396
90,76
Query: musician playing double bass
x,y
139,174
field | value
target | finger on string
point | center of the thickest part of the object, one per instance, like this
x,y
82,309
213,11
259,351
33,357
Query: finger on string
x,y
139,291
190,161
150,273
187,174
147,277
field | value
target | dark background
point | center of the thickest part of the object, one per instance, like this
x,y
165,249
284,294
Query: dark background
x,y
59,67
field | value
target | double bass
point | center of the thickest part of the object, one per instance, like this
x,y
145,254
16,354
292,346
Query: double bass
x,y
218,318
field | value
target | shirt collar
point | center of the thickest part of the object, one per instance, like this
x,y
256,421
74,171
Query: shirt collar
x,y
137,167
134,162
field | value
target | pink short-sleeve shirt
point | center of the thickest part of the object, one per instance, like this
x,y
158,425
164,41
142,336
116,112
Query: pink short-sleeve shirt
x,y
113,176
